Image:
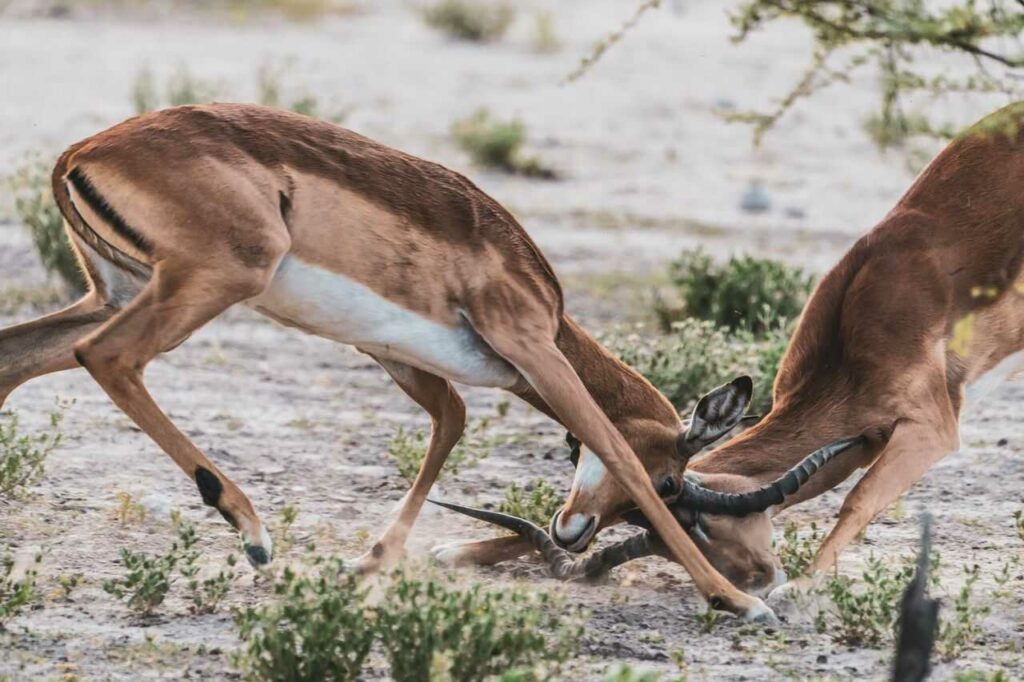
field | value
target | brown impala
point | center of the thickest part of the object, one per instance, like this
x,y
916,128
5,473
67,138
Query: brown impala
x,y
921,318
180,214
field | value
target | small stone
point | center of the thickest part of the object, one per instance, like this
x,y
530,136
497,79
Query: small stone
x,y
822,658
1002,442
756,198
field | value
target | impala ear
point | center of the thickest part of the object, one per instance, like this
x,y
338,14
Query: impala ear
x,y
715,415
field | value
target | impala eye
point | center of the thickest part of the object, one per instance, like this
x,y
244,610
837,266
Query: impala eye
x,y
669,487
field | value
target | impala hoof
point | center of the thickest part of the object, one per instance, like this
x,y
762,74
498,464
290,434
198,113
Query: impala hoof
x,y
259,552
760,613
378,559
793,601
451,554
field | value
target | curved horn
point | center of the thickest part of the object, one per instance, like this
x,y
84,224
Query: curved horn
x,y
560,562
695,496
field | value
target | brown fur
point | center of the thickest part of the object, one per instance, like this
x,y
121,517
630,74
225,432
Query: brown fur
x,y
201,204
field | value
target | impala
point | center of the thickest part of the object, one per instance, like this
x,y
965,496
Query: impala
x,y
920,318
178,215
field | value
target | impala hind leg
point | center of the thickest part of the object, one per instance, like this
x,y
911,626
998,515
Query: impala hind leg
x,y
448,421
526,338
178,300
910,452
482,552
47,344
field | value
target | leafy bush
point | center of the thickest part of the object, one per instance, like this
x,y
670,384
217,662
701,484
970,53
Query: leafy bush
x,y
795,552
959,626
148,579
181,88
16,592
22,458
698,355
624,672
545,38
537,501
746,293
38,212
473,21
497,144
430,630
865,615
865,612
322,628
408,448
205,594
318,629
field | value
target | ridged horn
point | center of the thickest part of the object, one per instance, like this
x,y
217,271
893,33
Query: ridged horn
x,y
560,562
699,498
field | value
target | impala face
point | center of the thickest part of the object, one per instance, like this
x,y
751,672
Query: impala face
x,y
597,500
741,549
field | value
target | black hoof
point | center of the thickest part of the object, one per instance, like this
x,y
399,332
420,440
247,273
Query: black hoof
x,y
257,555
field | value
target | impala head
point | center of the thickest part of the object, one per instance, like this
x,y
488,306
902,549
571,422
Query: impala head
x,y
596,499
740,548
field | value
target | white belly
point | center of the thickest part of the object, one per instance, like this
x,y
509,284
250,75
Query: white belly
x,y
993,379
327,304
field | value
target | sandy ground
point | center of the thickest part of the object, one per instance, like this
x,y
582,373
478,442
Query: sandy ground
x,y
649,169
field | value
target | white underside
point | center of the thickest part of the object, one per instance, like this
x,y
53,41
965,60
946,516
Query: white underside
x,y
330,305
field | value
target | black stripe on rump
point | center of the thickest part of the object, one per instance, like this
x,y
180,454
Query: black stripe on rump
x,y
97,203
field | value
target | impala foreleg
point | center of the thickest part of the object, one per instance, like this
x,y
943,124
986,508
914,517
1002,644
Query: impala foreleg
x,y
448,421
913,448
176,302
482,552
534,353
47,344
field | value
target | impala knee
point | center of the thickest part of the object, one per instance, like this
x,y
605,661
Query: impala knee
x,y
452,421
95,356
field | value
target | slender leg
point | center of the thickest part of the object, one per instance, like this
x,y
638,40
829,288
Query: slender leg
x,y
448,417
531,349
482,552
47,344
912,450
178,300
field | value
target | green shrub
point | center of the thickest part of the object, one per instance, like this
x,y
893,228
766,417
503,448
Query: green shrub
x,y
431,630
205,594
537,501
959,626
22,458
318,629
746,293
408,448
148,579
624,672
697,356
37,210
795,552
545,38
473,21
864,613
16,592
497,144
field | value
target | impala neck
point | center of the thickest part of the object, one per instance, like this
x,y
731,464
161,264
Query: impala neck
x,y
637,409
